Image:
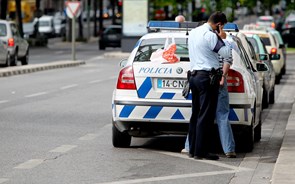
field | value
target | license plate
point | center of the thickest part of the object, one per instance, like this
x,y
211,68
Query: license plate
x,y
171,83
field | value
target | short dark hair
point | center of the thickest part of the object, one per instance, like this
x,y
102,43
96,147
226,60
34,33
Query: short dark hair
x,y
217,17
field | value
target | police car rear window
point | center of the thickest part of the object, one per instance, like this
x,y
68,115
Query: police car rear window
x,y
148,46
265,40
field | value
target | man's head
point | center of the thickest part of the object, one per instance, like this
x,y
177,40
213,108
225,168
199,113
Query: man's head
x,y
217,19
179,18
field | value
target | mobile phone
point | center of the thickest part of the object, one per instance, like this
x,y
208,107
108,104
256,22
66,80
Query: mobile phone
x,y
218,29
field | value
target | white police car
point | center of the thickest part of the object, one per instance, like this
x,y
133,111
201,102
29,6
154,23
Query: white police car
x,y
148,97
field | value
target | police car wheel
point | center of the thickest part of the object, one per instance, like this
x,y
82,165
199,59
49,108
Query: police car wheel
x,y
120,139
248,142
272,96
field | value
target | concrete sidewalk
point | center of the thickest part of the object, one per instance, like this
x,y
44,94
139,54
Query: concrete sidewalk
x,y
284,171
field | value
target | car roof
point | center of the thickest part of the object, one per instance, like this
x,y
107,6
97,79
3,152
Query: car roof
x,y
46,17
165,34
265,17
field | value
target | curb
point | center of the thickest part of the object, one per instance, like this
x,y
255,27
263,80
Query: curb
x,y
5,72
283,172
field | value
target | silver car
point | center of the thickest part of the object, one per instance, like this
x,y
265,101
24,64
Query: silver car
x,y
18,47
4,54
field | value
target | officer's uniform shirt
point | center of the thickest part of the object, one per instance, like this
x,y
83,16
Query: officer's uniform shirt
x,y
205,48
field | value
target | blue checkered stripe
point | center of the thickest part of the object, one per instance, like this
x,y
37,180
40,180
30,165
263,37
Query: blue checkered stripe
x,y
167,113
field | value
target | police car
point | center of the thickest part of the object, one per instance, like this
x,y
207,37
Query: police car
x,y
148,97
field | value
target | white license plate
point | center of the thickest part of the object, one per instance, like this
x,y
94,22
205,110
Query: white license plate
x,y
171,83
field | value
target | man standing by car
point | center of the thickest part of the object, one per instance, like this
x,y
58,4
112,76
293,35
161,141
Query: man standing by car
x,y
205,46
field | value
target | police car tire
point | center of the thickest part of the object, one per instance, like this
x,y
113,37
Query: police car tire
x,y
248,138
257,132
265,99
120,139
272,96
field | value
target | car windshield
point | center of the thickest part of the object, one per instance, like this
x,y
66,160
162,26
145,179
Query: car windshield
x,y
3,31
148,46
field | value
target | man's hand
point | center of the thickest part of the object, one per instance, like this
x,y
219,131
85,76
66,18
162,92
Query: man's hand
x,y
222,34
221,82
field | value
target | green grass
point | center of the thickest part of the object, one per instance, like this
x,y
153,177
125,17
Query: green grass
x,y
291,49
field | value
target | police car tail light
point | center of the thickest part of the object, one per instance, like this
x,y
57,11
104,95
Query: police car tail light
x,y
235,82
126,79
273,51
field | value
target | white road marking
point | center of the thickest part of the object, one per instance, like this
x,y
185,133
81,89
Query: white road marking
x,y
36,94
2,180
3,101
96,58
30,164
63,148
95,81
59,52
172,177
216,163
68,86
88,137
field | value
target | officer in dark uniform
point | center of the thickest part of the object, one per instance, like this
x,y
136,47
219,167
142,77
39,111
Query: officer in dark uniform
x,y
205,46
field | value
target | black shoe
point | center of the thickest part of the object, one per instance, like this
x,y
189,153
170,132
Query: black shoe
x,y
209,156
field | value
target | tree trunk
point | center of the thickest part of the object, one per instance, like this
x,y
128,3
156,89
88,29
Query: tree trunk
x,y
19,17
3,9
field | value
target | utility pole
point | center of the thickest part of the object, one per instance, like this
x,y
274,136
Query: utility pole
x,y
94,17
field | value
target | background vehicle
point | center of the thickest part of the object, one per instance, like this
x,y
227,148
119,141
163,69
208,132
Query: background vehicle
x,y
4,53
59,26
269,76
17,46
46,26
111,37
148,97
270,43
288,30
266,21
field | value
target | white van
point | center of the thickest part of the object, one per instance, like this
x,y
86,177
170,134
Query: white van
x,y
46,26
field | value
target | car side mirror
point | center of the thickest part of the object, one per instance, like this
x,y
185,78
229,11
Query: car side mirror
x,y
275,56
123,63
263,57
262,67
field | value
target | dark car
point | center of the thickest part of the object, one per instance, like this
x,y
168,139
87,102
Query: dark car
x,y
288,30
110,37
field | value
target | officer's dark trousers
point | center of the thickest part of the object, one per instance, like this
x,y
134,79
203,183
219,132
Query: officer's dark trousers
x,y
204,102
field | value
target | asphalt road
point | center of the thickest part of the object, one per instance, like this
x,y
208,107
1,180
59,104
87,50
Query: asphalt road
x,y
55,127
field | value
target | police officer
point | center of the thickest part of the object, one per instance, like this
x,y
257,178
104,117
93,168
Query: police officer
x,y
205,46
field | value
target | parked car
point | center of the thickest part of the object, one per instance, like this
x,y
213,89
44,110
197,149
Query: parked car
x,y
281,48
268,77
266,21
59,26
4,53
288,30
252,58
46,26
272,48
32,34
148,101
17,46
111,37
